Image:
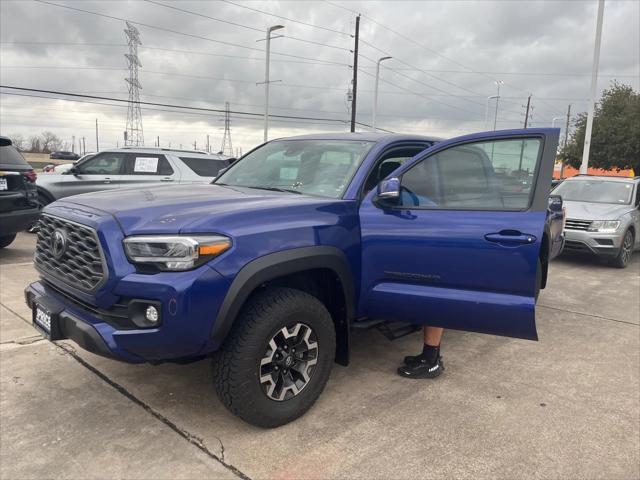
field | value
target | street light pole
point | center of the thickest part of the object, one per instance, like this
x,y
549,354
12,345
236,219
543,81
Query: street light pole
x,y
584,166
266,79
553,121
486,111
375,91
495,117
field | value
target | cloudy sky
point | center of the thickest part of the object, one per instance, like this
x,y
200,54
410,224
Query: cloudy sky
x,y
447,56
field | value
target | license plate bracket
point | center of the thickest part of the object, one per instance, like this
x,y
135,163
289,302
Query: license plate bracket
x,y
46,318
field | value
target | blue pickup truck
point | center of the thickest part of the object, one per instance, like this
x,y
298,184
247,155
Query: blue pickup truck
x,y
268,269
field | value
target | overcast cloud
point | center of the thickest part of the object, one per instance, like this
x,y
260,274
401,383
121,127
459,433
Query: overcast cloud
x,y
439,88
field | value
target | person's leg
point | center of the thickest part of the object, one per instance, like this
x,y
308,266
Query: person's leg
x,y
429,363
432,336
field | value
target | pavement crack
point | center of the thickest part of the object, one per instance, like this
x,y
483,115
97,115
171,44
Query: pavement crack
x,y
25,340
588,315
191,438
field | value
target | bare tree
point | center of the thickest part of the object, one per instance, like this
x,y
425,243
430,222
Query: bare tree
x,y
50,142
18,140
34,144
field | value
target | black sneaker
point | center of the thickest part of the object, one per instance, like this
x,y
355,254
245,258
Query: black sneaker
x,y
421,368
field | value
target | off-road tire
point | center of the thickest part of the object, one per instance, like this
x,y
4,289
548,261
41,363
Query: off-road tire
x,y
622,259
6,240
236,366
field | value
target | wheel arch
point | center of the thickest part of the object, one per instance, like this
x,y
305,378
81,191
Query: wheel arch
x,y
45,193
316,270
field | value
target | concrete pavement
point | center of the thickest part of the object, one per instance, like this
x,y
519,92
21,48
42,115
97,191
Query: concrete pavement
x,y
567,406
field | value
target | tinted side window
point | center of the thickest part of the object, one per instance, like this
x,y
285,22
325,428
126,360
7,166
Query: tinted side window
x,y
10,156
495,175
205,167
147,164
108,163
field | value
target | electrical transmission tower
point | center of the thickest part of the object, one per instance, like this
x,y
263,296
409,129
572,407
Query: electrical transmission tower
x,y
133,134
227,147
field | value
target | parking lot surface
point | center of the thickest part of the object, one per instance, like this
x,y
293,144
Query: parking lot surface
x,y
567,406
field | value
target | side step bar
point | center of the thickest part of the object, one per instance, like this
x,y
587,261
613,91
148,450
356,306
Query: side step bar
x,y
391,330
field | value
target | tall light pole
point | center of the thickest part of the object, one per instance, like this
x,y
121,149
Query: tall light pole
x,y
486,110
266,79
584,166
375,91
553,121
495,117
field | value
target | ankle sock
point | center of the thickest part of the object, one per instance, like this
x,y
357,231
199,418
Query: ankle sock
x,y
430,353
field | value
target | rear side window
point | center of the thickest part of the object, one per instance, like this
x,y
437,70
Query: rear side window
x,y
147,164
205,167
10,156
108,163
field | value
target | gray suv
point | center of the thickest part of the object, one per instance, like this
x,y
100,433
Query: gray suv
x,y
130,167
603,216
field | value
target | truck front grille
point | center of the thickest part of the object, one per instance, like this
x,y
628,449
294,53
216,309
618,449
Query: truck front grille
x,y
79,262
577,224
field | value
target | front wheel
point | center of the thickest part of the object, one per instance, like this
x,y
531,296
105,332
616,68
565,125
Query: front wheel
x,y
277,358
623,257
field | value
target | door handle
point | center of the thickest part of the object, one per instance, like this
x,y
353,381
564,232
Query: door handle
x,y
107,180
166,179
510,237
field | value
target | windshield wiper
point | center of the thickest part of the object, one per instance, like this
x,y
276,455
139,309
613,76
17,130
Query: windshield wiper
x,y
275,189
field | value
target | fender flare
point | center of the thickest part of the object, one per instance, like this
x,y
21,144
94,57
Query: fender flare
x,y
279,264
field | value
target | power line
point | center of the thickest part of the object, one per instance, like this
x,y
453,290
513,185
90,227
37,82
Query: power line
x,y
240,25
185,107
320,27
163,29
311,61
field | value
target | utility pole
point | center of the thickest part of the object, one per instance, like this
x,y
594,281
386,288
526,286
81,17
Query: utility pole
x,y
266,79
355,76
134,115
97,145
566,138
526,115
84,147
158,140
584,166
208,150
226,138
495,117
375,92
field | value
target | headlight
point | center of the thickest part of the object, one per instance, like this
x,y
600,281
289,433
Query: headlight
x,y
604,226
175,253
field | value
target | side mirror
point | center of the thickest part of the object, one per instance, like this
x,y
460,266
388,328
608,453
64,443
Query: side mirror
x,y
555,203
389,191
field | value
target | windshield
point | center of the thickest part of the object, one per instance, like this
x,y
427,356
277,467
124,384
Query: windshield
x,y
595,191
314,167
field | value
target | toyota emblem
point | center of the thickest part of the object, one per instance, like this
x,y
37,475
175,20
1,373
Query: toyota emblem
x,y
59,243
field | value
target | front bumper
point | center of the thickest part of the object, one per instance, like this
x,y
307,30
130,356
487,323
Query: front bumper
x,y
188,302
606,244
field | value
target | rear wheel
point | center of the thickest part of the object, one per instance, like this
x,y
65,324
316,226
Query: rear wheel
x,y
277,359
6,240
623,257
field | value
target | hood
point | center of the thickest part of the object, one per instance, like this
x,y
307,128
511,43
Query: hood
x,y
199,208
595,211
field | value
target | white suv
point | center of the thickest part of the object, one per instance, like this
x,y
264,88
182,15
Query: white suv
x,y
131,167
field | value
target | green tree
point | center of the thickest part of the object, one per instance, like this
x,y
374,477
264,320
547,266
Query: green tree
x,y
615,140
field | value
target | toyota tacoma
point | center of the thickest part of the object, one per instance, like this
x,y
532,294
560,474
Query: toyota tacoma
x,y
268,269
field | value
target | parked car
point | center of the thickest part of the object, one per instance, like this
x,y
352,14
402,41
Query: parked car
x,y
603,216
130,167
18,196
269,268
62,155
